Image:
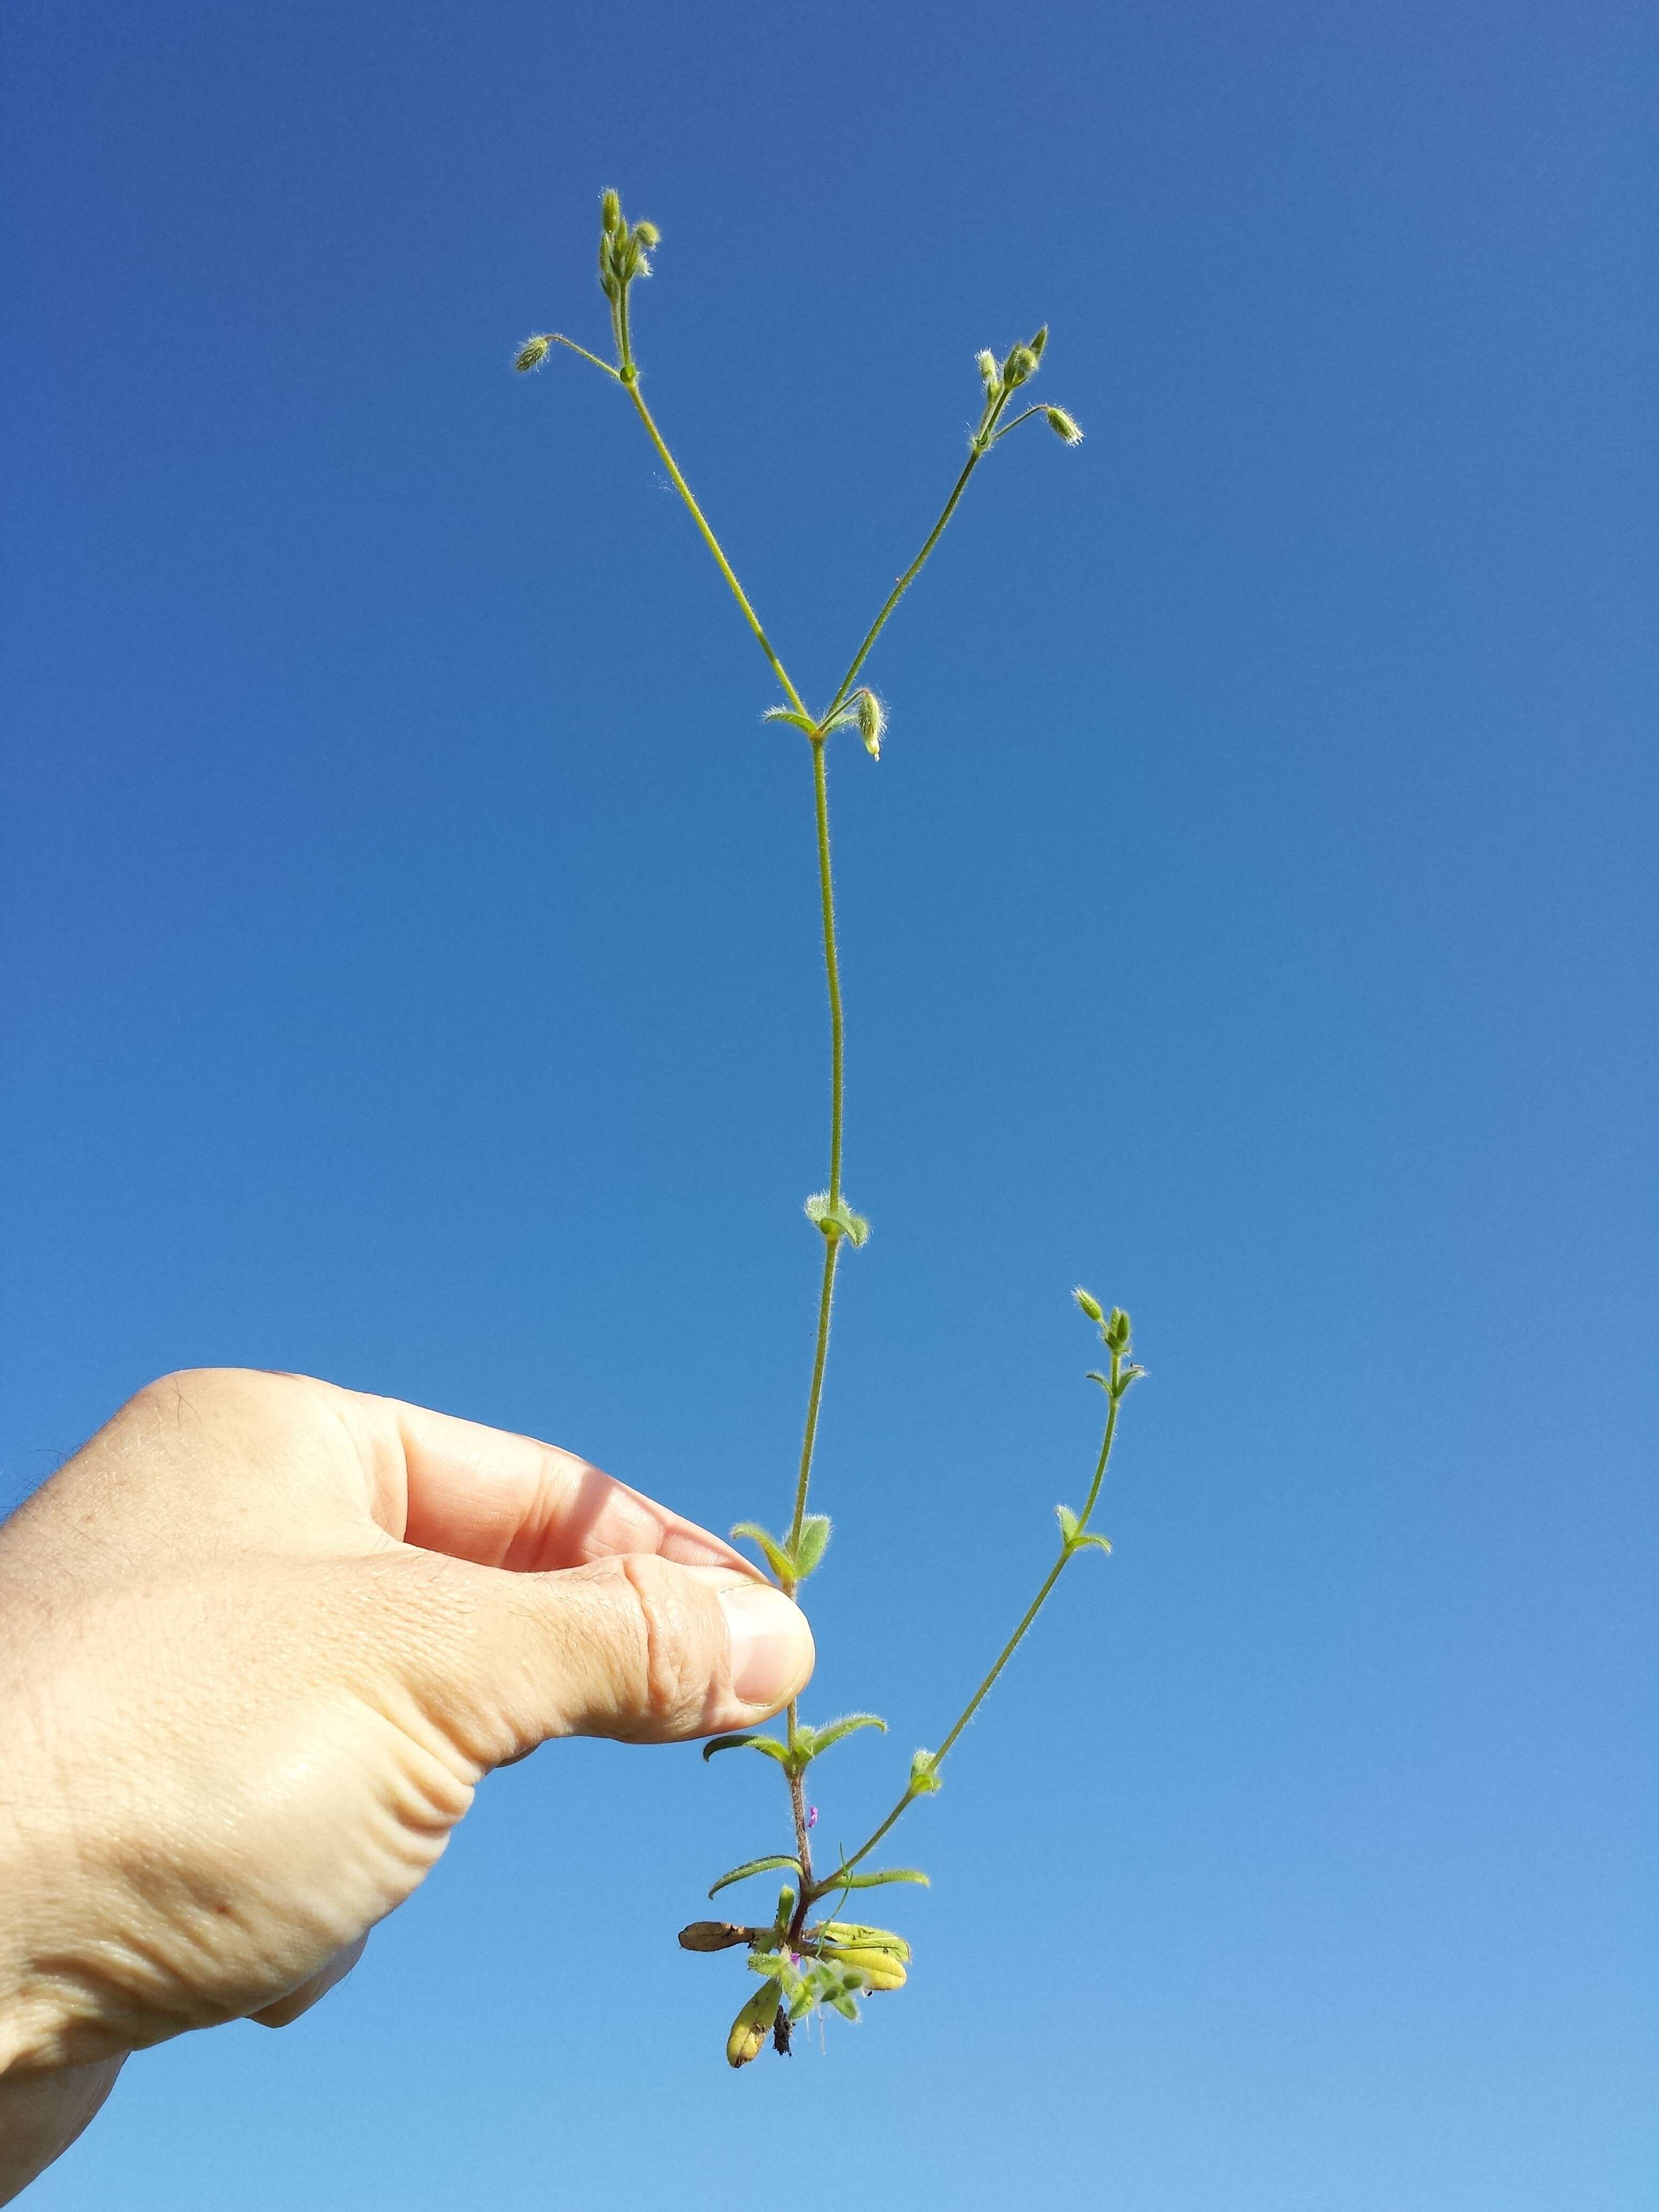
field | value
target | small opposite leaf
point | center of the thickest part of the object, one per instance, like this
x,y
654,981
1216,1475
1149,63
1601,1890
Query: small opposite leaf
x,y
837,1220
924,1777
824,1737
1083,1543
769,1744
1067,1521
875,1881
776,1558
788,715
814,1538
755,1866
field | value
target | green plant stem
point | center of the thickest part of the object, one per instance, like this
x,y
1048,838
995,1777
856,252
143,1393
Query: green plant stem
x,y
974,458
1067,1552
630,378
558,338
980,445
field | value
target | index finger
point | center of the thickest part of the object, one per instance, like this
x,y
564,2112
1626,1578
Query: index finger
x,y
502,1500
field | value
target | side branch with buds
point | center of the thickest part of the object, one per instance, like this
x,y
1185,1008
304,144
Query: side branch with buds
x,y
808,1965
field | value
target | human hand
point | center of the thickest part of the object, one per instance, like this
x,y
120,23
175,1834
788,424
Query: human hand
x,y
257,1649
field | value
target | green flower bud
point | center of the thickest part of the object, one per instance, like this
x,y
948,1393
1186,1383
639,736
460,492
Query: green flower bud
x,y
750,2027
1117,1331
1040,341
881,1970
1063,425
648,234
990,370
610,212
531,353
1020,364
872,722
1090,1306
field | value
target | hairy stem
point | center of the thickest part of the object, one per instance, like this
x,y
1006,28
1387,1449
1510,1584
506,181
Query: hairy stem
x,y
980,445
1068,1551
631,379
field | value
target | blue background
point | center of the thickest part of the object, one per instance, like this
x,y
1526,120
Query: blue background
x,y
410,976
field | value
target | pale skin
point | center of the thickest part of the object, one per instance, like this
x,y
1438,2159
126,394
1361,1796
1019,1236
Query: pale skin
x,y
260,1640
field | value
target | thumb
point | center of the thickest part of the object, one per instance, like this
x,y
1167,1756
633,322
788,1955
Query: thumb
x,y
635,1647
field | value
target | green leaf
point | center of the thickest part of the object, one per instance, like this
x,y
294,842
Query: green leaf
x,y
814,1541
875,1880
769,1744
776,1558
824,1737
1104,1381
924,1779
788,715
844,2006
1087,1543
755,1866
1068,1524
838,1219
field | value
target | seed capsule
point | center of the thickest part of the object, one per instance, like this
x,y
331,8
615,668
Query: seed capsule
x,y
714,1935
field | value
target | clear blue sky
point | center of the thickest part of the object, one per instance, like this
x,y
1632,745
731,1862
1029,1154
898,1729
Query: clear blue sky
x,y
410,977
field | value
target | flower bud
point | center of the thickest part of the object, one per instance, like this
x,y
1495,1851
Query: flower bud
x,y
1020,364
1040,341
648,234
988,368
750,2027
531,353
1089,1306
872,721
1063,425
609,212
1117,1331
880,1969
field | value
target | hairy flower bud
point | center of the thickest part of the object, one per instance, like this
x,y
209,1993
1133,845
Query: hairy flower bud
x,y
531,353
1063,425
1090,1305
881,1970
609,212
750,2027
987,363
1040,341
872,722
648,234
1020,364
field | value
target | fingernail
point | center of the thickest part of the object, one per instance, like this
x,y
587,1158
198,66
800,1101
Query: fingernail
x,y
771,1645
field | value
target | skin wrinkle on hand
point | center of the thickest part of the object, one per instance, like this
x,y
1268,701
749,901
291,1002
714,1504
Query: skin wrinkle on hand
x,y
243,1712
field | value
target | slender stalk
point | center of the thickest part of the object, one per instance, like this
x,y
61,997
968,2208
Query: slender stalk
x,y
712,542
558,338
629,376
974,458
1068,1551
831,964
815,1395
980,445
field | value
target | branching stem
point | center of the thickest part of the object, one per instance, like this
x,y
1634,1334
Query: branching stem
x,y
626,371
1068,1551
